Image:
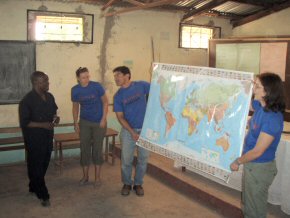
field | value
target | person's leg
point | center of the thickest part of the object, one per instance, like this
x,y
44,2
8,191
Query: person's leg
x,y
258,178
127,156
141,167
30,164
39,149
85,147
142,159
47,143
249,209
97,150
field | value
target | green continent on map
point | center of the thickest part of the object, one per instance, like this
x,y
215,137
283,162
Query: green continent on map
x,y
167,90
210,101
215,94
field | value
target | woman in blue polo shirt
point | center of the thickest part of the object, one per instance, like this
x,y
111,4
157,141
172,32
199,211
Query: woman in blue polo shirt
x,y
89,97
266,126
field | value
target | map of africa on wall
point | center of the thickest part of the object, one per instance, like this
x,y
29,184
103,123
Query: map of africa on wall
x,y
197,116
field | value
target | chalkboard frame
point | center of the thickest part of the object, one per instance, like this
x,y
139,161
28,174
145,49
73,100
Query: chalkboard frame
x,y
17,62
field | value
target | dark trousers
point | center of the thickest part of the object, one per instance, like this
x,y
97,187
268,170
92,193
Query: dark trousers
x,y
39,148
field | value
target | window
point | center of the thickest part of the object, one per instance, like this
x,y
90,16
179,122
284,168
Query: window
x,y
193,36
59,27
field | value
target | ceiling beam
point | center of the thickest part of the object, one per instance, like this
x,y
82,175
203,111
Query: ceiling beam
x,y
207,7
109,3
261,14
145,6
214,13
134,2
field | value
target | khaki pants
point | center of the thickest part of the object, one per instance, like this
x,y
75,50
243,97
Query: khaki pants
x,y
257,179
91,142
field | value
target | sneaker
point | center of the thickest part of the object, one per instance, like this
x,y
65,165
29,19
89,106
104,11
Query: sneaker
x,y
139,190
126,190
83,181
45,203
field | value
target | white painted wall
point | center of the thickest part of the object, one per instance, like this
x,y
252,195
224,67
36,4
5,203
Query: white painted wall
x,y
127,40
276,24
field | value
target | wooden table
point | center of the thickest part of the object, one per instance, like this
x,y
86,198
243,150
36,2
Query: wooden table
x,y
73,139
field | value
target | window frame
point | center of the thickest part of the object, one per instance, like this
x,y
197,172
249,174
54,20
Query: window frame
x,y
30,28
215,29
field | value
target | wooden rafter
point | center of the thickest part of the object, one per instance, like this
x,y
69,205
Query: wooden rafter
x,y
225,15
145,6
134,2
109,3
261,14
207,7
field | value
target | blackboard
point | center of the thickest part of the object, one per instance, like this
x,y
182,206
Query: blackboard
x,y
17,62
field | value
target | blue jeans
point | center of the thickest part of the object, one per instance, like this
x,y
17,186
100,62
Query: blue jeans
x,y
127,156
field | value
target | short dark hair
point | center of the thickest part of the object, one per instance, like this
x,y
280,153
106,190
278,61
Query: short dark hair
x,y
36,75
123,69
275,96
81,70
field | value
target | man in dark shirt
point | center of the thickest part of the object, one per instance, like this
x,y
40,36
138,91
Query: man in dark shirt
x,y
37,113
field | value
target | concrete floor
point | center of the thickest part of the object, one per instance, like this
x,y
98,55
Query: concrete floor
x,y
68,199
161,199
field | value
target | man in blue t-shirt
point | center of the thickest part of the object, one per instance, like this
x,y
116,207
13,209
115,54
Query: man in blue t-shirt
x,y
130,106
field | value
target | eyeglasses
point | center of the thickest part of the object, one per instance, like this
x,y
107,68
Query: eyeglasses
x,y
258,86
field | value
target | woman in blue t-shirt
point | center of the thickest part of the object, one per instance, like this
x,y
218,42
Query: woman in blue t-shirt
x,y
90,108
265,129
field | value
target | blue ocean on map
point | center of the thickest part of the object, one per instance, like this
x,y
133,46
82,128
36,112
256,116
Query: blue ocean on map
x,y
197,116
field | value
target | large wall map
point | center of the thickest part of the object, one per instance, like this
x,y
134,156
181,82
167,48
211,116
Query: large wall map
x,y
197,116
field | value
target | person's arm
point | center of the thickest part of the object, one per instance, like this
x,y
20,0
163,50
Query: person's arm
x,y
105,111
25,120
126,125
44,125
263,142
75,112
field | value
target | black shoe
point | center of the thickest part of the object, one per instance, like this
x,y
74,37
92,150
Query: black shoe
x,y
139,190
45,203
126,190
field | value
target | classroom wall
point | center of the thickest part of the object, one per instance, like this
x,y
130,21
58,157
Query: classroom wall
x,y
129,39
276,24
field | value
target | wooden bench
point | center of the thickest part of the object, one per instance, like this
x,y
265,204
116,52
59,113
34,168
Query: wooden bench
x,y
72,140
61,141
14,142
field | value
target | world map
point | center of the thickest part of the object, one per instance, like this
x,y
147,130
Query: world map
x,y
200,114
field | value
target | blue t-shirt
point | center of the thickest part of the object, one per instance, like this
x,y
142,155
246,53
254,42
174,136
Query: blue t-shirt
x,y
132,102
268,122
90,100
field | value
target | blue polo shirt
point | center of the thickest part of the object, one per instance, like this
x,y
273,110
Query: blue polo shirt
x,y
89,97
132,102
268,122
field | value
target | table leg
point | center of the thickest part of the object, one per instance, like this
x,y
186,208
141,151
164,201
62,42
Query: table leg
x,y
113,151
60,157
55,151
107,149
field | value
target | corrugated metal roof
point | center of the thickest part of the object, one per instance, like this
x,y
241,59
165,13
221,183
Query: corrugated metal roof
x,y
239,11
237,8
186,3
